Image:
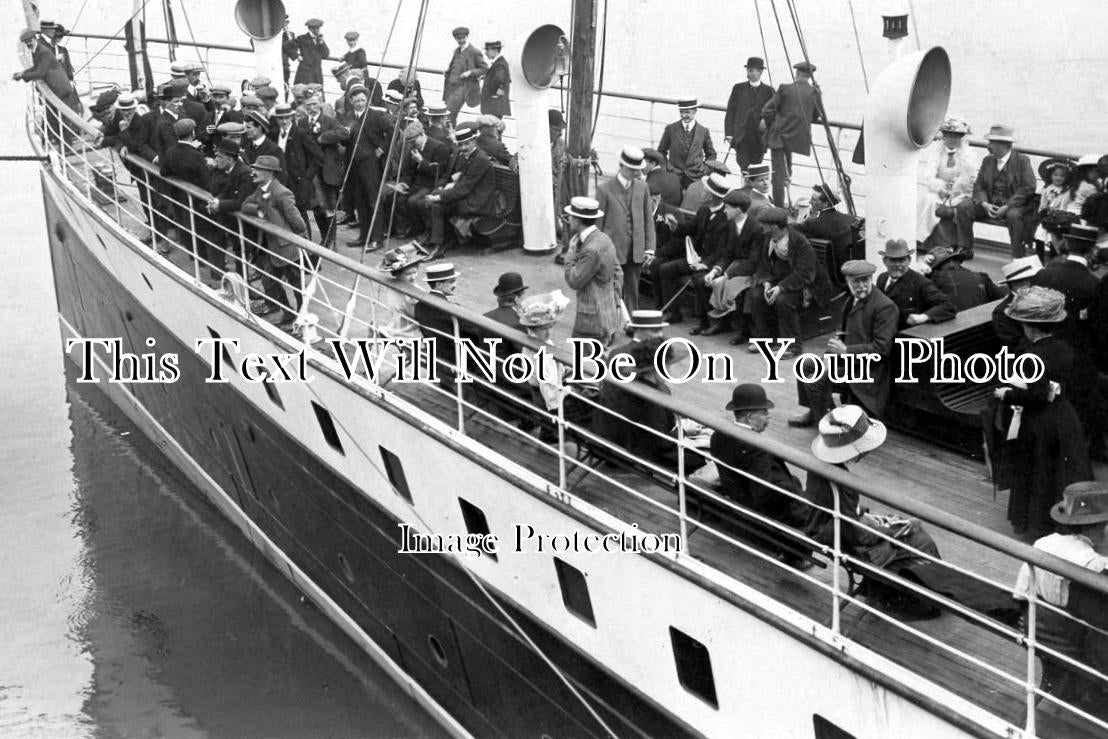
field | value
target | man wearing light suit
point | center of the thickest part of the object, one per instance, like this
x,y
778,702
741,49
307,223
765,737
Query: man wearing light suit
x,y
592,270
628,220
788,117
742,122
1005,185
687,144
279,265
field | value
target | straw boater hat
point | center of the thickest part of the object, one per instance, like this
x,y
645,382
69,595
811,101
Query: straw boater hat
x,y
1080,232
750,396
845,433
632,156
1023,268
584,208
647,319
125,101
1082,503
260,82
542,310
465,132
440,272
509,283
757,170
718,185
688,103
283,110
1047,167
394,97
896,249
1001,132
401,258
1037,305
231,128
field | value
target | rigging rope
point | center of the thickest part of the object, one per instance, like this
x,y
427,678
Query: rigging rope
x,y
858,45
196,46
115,37
599,95
765,49
79,14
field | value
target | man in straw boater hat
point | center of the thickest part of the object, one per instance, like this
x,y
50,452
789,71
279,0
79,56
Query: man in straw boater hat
x,y
1080,520
750,476
741,123
497,85
868,325
1017,275
687,144
645,325
279,261
1043,449
436,323
1003,190
788,119
628,219
471,195
591,268
304,161
1082,329
916,297
756,186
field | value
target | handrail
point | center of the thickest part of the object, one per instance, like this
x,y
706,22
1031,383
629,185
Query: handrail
x,y
969,530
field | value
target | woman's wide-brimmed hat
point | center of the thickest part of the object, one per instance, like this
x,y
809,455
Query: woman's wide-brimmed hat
x,y
1087,160
1037,305
542,310
1082,503
1047,167
847,432
955,125
401,258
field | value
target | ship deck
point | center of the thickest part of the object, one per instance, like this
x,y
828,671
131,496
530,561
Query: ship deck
x,y
906,464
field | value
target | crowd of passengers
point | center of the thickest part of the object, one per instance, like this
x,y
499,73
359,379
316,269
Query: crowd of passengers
x,y
384,162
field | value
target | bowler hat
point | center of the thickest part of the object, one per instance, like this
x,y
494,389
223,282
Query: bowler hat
x,y
439,272
718,185
687,103
1023,268
806,67
857,268
173,90
1037,305
1001,132
755,62
229,146
845,433
1082,503
267,162
509,283
827,193
749,396
631,156
896,249
460,31
585,208
554,117
494,45
647,319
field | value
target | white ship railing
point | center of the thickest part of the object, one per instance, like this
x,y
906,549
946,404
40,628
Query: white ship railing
x,y
330,291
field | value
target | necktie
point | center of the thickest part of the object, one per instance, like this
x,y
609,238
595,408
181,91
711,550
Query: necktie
x,y
950,159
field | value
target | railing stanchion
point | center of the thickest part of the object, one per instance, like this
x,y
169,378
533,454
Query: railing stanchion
x,y
836,560
561,441
1032,598
457,383
115,193
681,489
187,197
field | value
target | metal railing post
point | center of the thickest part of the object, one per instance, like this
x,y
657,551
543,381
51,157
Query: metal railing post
x,y
836,561
1029,688
561,441
681,490
115,193
192,232
457,383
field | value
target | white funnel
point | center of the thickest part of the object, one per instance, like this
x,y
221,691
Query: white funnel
x,y
263,21
903,112
535,62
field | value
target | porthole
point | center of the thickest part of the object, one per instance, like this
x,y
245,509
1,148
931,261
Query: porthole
x,y
437,651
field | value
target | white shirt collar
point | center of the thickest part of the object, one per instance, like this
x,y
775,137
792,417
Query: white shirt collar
x,y
1075,258
1003,161
756,83
258,140
623,180
585,233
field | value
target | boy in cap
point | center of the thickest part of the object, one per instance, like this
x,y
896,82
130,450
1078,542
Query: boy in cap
x,y
788,119
355,54
497,85
424,168
462,79
687,144
311,48
785,266
741,123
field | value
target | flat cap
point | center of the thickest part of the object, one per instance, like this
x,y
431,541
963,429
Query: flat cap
x,y
313,23
221,89
260,82
858,268
231,128
283,110
806,67
194,67
777,216
299,89
27,34
460,31
266,93
653,155
351,35
248,100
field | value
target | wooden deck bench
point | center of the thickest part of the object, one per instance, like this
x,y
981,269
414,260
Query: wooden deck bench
x,y
504,229
948,413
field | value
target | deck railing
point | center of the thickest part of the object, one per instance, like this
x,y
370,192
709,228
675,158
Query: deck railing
x,y
350,300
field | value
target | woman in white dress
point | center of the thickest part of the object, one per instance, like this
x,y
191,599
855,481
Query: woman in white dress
x,y
948,170
403,264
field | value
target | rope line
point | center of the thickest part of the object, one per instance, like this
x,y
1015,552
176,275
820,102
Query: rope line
x,y
115,37
765,48
858,45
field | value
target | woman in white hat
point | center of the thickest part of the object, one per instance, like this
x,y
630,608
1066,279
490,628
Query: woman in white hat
x,y
947,173
1045,449
403,264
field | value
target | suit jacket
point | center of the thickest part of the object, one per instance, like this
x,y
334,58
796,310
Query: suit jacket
x,y
628,412
474,191
507,315
756,493
1012,187
789,116
914,293
709,231
135,137
744,113
212,119
796,272
431,170
758,201
303,161
628,223
465,60
870,326
965,288
310,69
251,151
496,88
161,136
666,185
356,58
46,67
687,152
186,162
62,55
279,208
1080,286
592,270
495,148
836,227
741,254
366,138
409,91
1008,330
328,134
231,187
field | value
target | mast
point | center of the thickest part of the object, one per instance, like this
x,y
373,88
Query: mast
x,y
581,68
135,45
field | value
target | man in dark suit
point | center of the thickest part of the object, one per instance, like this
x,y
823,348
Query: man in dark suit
x,y
289,51
785,266
52,35
488,139
462,78
221,112
1003,191
965,288
788,117
257,141
756,187
665,186
825,222
868,326
709,233
437,324
311,48
752,477
628,220
471,194
497,86
370,133
1073,278
917,299
688,144
424,169
185,161
230,184
742,122
730,276
303,162
329,135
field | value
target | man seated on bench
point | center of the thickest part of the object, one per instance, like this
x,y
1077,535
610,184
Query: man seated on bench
x,y
826,222
965,288
471,193
643,429
1003,191
916,297
750,476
